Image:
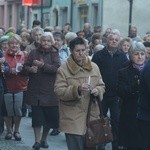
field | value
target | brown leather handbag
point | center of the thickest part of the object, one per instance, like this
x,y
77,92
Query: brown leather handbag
x,y
98,131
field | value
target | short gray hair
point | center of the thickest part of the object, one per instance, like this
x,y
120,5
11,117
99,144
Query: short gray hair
x,y
70,36
137,46
35,30
49,34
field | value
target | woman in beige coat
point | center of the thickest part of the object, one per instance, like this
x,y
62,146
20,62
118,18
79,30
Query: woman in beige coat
x,y
75,81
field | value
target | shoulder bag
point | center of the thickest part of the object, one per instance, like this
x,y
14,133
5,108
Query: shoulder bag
x,y
98,131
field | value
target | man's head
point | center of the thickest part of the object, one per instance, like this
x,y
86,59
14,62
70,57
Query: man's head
x,y
147,45
86,27
36,23
113,41
133,32
97,29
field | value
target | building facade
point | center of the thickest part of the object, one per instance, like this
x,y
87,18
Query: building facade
x,y
11,13
106,13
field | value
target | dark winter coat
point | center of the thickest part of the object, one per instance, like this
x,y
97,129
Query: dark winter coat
x,y
128,91
41,84
109,67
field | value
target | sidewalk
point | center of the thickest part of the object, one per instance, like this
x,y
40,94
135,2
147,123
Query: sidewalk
x,y
26,131
55,142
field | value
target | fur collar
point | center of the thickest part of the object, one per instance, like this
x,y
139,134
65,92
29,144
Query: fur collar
x,y
74,68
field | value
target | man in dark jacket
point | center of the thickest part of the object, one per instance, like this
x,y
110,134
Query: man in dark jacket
x,y
110,60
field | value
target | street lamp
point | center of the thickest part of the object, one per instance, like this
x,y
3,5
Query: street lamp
x,y
130,14
41,13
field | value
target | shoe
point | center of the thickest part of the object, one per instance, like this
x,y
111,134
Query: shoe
x,y
36,146
17,136
8,136
44,144
55,132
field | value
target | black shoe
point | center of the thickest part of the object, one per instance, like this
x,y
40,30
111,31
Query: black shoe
x,y
55,132
44,144
36,146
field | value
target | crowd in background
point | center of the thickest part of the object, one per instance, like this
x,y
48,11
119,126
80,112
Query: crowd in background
x,y
40,69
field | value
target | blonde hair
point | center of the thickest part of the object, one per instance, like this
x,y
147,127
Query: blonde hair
x,y
15,37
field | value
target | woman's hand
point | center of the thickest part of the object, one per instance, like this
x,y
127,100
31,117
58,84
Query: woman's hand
x,y
13,71
38,63
33,69
2,60
94,92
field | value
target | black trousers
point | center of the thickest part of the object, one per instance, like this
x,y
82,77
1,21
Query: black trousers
x,y
76,142
144,131
113,105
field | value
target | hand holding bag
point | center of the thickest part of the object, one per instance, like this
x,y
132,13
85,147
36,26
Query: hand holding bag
x,y
98,131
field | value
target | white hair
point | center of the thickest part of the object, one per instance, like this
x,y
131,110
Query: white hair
x,y
49,34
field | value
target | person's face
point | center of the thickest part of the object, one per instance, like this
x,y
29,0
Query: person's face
x,y
125,47
78,53
133,32
97,31
37,36
58,42
86,28
97,41
25,42
113,42
87,50
147,39
81,34
148,52
14,45
4,46
46,42
107,32
138,57
65,30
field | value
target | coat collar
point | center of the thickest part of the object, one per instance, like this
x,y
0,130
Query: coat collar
x,y
106,52
74,68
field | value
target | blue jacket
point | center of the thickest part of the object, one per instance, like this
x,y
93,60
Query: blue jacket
x,y
64,54
144,94
109,66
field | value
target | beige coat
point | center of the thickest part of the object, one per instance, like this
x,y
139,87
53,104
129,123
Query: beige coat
x,y
73,107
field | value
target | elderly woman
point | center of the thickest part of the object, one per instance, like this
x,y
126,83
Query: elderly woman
x,y
64,51
128,91
35,34
75,81
16,83
41,65
125,44
70,36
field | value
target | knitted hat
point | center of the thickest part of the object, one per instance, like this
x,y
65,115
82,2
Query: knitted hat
x,y
4,38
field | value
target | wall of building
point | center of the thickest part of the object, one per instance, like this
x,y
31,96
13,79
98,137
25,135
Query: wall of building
x,y
116,15
57,14
10,15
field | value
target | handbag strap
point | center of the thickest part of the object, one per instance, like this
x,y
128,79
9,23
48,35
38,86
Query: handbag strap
x,y
94,99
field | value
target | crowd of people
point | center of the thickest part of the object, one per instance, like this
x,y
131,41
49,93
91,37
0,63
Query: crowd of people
x,y
49,74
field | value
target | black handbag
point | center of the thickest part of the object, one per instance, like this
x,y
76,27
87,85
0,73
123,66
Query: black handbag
x,y
98,131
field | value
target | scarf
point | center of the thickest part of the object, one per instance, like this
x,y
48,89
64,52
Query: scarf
x,y
138,67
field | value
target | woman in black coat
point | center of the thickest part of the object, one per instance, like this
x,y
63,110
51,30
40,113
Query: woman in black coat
x,y
128,91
